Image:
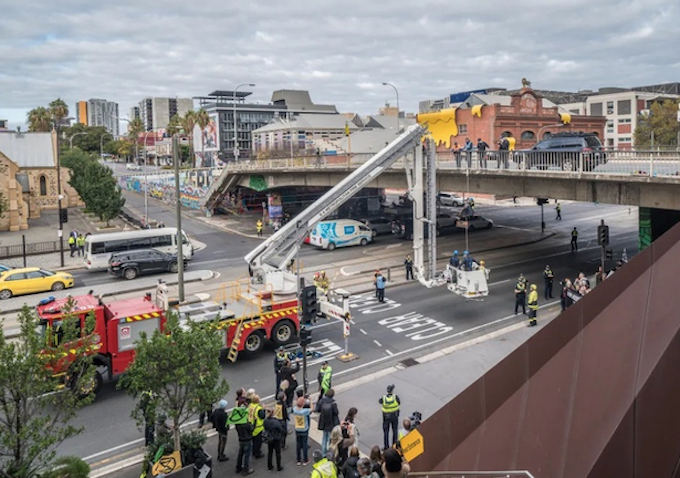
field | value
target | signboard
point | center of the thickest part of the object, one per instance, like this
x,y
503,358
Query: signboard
x,y
125,332
167,464
412,445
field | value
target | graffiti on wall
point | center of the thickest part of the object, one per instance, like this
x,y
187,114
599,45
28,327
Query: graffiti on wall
x,y
163,188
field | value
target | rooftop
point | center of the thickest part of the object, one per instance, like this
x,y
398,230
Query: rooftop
x,y
28,150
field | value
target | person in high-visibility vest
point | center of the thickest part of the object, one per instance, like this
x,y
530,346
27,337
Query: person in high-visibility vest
x,y
325,376
574,240
72,244
80,245
259,226
256,417
390,410
533,305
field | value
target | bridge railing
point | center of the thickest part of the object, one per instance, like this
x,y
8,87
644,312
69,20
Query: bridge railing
x,y
472,474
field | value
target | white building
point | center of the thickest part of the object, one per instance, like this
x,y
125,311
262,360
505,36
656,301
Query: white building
x,y
98,112
155,113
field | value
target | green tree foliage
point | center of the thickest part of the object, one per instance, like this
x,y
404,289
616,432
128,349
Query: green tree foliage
x,y
68,467
58,111
663,122
174,125
181,368
39,120
188,121
34,419
86,138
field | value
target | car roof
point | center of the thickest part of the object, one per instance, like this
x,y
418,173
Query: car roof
x,y
26,269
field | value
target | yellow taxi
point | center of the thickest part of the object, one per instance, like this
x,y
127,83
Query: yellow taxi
x,y
29,280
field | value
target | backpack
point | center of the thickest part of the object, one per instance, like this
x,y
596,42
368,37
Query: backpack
x,y
351,472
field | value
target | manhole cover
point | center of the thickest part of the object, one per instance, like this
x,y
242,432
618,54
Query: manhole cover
x,y
409,362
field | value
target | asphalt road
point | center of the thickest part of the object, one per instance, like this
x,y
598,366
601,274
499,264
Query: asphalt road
x,y
412,321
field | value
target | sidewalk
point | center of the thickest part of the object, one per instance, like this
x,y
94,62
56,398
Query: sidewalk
x,y
418,381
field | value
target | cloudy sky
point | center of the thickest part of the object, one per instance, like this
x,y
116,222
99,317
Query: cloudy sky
x,y
341,51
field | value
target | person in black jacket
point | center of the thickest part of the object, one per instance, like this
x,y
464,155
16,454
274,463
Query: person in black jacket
x,y
287,372
328,417
275,433
349,469
244,429
219,421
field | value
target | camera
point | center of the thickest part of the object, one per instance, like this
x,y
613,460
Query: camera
x,y
416,418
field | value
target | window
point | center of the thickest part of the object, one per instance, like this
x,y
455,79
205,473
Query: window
x,y
623,107
626,139
34,275
528,136
596,109
610,107
462,129
161,241
18,276
43,185
624,120
610,126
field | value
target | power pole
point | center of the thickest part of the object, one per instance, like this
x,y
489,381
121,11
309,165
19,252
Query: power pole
x,y
178,210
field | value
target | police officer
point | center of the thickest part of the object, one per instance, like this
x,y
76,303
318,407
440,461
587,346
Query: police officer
x,y
533,305
548,282
259,226
521,294
574,239
324,378
390,410
408,263
455,260
558,210
279,361
72,244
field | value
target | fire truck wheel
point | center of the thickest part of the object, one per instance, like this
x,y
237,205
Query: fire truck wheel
x,y
283,332
58,286
5,294
130,273
92,386
254,342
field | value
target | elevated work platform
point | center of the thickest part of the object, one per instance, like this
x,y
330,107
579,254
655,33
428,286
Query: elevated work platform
x,y
593,394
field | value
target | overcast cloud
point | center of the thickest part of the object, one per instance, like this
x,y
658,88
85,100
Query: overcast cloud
x,y
341,51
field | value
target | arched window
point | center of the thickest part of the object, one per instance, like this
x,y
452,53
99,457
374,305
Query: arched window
x,y
547,135
528,136
506,134
43,185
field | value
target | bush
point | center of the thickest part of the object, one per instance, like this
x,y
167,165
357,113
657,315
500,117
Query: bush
x,y
68,467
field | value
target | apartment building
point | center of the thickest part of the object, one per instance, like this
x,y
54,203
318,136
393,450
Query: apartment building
x,y
98,112
155,113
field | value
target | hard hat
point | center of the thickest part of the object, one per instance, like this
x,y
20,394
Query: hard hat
x,y
323,272
465,253
533,287
481,263
455,253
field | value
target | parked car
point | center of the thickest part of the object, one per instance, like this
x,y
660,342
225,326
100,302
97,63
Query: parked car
x,y
4,268
449,199
564,151
29,280
474,222
130,264
133,167
378,225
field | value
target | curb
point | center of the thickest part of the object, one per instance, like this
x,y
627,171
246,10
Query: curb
x,y
136,289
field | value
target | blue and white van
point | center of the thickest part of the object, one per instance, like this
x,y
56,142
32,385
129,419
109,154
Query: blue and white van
x,y
340,233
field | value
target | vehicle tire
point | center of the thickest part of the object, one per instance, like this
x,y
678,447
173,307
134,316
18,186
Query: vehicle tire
x,y
173,267
363,242
374,233
130,273
92,386
5,294
254,342
283,333
489,226
331,246
58,286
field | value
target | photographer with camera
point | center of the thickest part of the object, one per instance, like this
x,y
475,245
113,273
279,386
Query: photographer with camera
x,y
390,410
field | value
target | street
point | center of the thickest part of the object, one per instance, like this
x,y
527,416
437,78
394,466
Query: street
x,y
412,321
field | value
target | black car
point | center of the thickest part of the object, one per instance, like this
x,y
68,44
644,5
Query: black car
x,y
143,261
403,229
564,151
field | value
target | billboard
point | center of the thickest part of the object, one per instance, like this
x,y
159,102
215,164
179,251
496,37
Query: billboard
x,y
206,143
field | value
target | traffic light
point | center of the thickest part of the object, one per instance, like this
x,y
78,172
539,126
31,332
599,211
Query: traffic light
x,y
541,201
305,336
63,216
310,308
602,235
608,254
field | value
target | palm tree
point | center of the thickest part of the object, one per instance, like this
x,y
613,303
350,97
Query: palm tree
x,y
188,122
58,111
202,120
39,120
135,128
174,125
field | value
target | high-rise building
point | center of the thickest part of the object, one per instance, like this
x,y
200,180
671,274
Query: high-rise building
x,y
98,112
155,113
134,112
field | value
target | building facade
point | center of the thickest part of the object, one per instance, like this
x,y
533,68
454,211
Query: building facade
x,y
28,178
155,113
98,112
217,142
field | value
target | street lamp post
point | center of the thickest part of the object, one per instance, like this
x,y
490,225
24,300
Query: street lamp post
x,y
178,211
70,140
396,91
146,181
236,150
60,233
101,145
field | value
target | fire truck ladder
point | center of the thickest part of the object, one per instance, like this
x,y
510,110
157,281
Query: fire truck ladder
x,y
233,350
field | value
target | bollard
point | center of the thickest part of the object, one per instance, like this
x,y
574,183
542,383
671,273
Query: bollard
x,y
23,248
389,274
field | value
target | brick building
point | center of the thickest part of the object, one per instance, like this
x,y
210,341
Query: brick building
x,y
525,116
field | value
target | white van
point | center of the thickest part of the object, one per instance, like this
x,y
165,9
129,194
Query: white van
x,y
340,233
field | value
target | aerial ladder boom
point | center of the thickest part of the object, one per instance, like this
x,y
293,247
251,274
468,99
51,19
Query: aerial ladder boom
x,y
269,262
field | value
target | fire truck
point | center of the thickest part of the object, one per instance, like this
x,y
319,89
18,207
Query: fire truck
x,y
247,320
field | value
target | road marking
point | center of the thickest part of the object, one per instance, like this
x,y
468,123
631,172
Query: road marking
x,y
363,331
388,352
219,252
345,273
392,246
377,343
500,282
412,321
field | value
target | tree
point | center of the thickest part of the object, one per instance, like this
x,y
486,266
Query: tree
x,y
174,125
33,419
181,368
39,120
58,111
101,192
135,128
84,137
188,122
202,121
662,121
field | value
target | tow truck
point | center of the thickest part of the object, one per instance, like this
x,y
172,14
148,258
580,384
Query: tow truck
x,y
245,323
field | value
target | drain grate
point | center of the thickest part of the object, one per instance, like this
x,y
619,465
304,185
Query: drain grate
x,y
409,362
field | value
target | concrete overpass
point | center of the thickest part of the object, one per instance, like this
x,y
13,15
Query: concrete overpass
x,y
647,179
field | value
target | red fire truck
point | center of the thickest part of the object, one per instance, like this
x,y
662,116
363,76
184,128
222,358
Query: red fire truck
x,y
247,321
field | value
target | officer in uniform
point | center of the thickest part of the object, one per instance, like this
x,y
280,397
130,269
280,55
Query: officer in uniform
x,y
558,210
390,410
548,282
533,305
324,378
259,225
521,294
408,263
279,361
455,260
574,239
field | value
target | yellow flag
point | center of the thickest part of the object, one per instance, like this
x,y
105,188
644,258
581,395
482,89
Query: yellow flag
x,y
346,128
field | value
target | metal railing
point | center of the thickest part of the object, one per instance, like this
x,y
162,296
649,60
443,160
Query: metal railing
x,y
28,249
472,474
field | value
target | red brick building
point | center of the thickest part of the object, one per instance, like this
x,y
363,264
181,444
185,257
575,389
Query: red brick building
x,y
525,116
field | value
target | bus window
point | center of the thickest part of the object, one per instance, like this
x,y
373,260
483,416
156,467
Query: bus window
x,y
116,246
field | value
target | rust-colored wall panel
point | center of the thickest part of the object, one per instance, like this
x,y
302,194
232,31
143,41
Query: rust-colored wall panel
x,y
618,457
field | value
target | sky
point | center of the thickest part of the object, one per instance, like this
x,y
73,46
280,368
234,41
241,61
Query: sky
x,y
340,51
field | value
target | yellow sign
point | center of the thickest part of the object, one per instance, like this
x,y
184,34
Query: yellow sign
x,y
441,125
346,128
167,464
412,445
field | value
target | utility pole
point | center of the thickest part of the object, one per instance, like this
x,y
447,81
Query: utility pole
x,y
178,208
59,198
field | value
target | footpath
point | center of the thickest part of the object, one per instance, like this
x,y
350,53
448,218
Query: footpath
x,y
423,383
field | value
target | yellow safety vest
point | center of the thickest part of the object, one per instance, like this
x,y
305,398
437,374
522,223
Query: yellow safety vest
x,y
390,404
533,300
71,241
80,241
254,418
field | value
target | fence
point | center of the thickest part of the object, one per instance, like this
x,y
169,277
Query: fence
x,y
28,249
